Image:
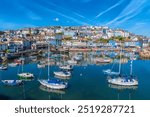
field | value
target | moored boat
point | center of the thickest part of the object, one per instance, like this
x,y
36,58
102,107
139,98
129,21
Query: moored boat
x,y
41,65
54,84
123,80
26,76
66,67
12,82
63,74
3,67
110,72
13,64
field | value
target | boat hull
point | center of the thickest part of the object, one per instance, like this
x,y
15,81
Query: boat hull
x,y
122,83
52,85
60,74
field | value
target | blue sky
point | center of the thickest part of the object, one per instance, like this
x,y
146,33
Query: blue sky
x,y
132,15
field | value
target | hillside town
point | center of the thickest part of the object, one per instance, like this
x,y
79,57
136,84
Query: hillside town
x,y
75,38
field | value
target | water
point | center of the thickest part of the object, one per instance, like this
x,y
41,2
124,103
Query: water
x,y
87,83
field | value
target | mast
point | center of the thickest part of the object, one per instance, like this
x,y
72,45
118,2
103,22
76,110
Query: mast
x,y
131,67
48,62
120,59
22,62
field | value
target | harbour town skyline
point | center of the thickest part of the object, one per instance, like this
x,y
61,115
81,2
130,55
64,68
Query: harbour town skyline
x,y
130,15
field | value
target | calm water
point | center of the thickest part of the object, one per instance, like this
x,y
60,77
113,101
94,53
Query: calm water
x,y
87,82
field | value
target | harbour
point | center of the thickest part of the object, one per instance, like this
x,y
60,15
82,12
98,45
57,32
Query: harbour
x,y
87,81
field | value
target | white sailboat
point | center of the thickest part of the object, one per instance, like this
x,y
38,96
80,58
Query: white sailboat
x,y
122,79
53,83
25,75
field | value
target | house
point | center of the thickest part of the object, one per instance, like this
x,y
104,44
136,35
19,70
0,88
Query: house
x,y
3,46
133,44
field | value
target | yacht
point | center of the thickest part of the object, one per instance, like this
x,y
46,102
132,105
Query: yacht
x,y
53,84
123,80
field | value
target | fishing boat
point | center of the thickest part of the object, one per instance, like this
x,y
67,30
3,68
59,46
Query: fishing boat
x,y
12,82
52,83
63,74
66,67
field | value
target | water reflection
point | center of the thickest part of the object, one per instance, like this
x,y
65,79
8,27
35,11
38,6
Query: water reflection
x,y
43,88
118,87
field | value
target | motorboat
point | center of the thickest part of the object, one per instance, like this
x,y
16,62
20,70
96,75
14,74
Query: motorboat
x,y
12,82
41,65
3,67
63,74
110,72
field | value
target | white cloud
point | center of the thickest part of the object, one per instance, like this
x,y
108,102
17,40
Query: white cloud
x,y
133,9
110,8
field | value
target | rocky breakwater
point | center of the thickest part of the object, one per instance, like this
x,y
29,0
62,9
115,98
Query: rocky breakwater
x,y
145,53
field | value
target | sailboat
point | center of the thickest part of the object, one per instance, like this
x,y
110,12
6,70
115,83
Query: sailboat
x,y
53,83
25,75
122,79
